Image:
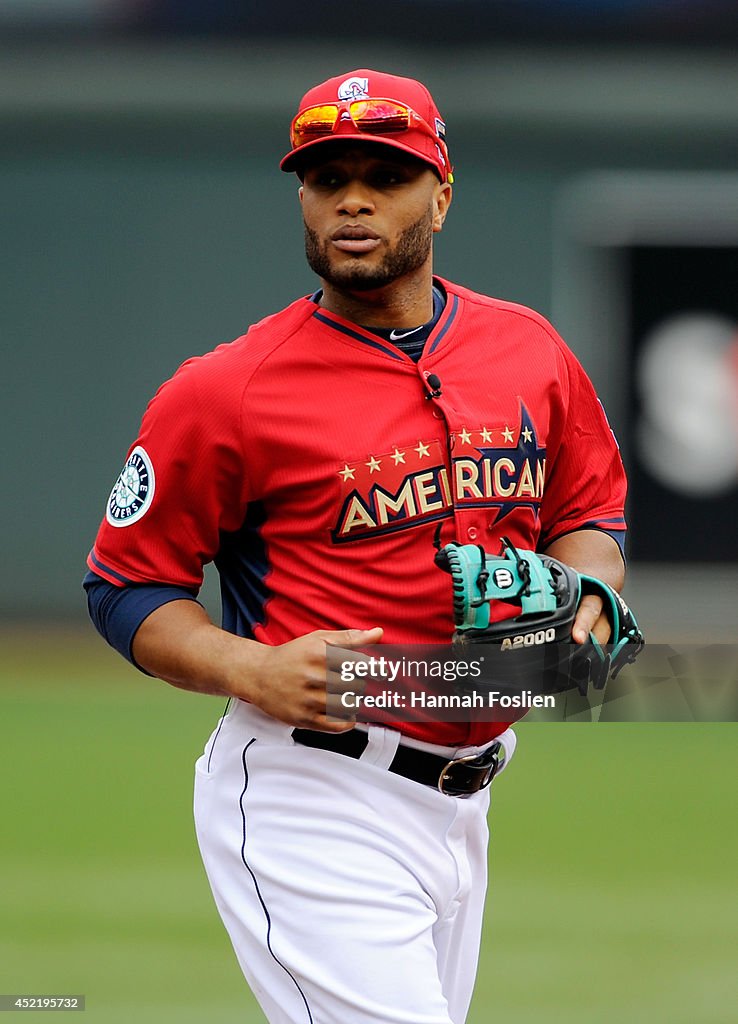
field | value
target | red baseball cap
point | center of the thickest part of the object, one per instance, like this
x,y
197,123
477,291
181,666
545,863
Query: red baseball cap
x,y
424,136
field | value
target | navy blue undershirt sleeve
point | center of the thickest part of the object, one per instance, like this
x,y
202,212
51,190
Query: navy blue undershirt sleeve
x,y
117,612
617,535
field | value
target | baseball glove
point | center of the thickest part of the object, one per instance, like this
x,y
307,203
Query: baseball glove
x,y
547,593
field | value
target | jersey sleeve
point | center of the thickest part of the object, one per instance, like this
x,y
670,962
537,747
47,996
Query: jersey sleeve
x,y
585,480
182,484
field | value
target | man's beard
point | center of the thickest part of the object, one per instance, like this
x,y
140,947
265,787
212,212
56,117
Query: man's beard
x,y
410,253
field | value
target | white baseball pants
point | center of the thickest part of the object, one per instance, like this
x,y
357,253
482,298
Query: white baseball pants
x,y
351,895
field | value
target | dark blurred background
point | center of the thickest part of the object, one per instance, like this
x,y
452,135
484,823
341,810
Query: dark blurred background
x,y
653,21
144,219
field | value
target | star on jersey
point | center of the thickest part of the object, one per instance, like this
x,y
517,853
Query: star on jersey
x,y
389,492
503,478
409,486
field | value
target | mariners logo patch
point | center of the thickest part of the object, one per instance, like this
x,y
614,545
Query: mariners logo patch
x,y
354,89
133,491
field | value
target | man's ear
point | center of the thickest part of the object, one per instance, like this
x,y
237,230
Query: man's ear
x,y
442,201
300,192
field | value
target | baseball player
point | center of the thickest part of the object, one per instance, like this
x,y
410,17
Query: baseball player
x,y
315,461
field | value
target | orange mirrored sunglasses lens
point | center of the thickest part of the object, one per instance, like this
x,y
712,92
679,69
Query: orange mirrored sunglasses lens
x,y
379,117
314,122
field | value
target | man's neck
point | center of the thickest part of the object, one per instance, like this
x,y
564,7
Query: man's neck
x,y
407,302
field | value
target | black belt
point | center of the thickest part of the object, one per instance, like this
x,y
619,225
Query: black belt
x,y
460,777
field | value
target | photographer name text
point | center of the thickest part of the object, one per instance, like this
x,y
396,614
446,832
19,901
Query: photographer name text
x,y
352,701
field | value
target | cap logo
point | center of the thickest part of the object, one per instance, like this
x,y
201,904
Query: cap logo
x,y
354,89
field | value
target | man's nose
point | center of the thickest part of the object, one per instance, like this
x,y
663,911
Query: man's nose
x,y
356,198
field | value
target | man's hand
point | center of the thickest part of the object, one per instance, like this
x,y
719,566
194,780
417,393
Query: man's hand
x,y
594,553
292,680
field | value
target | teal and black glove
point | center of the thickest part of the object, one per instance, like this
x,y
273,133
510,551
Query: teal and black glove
x,y
546,594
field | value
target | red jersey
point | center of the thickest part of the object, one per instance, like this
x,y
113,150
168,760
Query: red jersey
x,y
315,464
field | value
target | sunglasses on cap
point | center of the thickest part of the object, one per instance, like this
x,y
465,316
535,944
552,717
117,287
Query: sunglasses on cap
x,y
371,116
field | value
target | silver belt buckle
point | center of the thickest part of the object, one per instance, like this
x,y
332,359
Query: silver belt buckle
x,y
465,776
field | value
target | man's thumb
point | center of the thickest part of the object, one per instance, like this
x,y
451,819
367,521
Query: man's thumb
x,y
354,637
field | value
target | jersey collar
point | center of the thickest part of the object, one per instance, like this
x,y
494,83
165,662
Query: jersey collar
x,y
440,332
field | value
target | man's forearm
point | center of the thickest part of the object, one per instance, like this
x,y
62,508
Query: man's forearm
x,y
591,552
595,554
179,643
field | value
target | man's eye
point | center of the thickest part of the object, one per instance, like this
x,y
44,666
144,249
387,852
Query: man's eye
x,y
387,177
327,179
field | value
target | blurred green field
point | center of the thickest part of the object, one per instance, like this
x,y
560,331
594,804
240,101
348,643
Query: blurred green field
x,y
614,853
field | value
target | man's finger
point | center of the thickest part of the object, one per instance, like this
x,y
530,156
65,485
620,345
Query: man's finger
x,y
337,682
588,613
352,637
339,710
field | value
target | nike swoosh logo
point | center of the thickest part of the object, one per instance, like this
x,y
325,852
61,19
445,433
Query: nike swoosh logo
x,y
399,335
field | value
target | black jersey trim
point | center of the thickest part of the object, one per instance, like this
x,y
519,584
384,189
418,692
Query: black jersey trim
x,y
244,566
256,884
358,337
106,569
619,536
444,330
